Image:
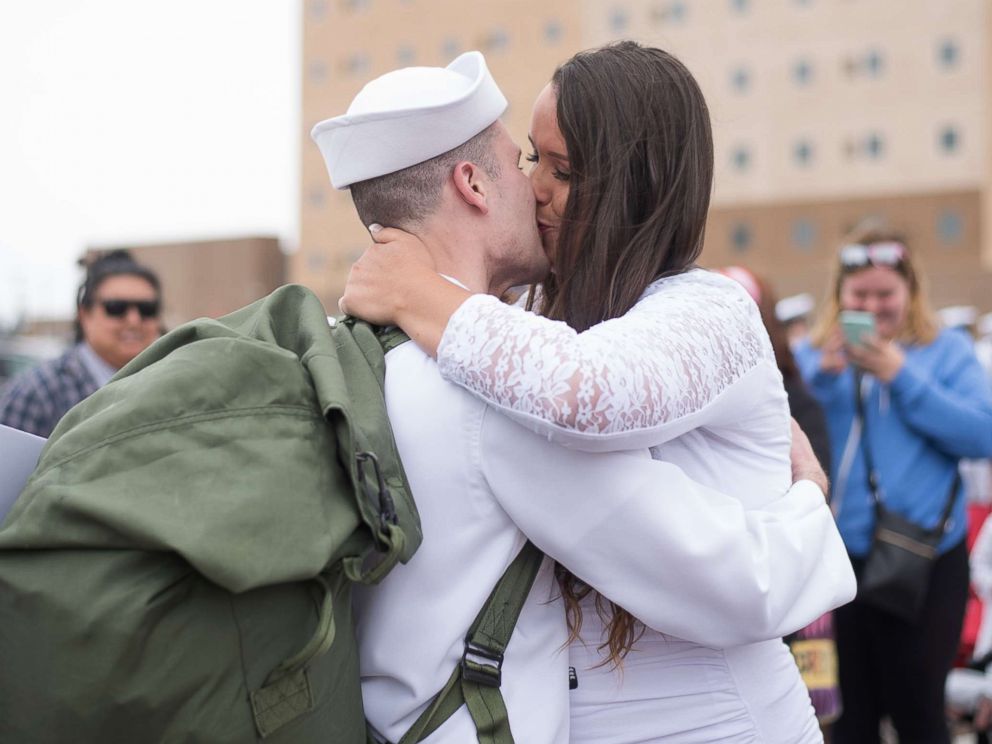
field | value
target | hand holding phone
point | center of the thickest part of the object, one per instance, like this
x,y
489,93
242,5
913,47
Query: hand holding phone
x,y
856,326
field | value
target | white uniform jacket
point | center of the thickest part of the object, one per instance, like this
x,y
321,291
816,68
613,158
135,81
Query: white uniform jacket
x,y
682,558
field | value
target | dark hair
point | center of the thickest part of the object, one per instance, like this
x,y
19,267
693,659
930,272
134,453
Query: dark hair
x,y
112,263
640,153
408,196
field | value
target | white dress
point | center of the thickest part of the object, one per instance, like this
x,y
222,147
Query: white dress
x,y
690,373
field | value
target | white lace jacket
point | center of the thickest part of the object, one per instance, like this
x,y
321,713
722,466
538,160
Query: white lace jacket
x,y
634,381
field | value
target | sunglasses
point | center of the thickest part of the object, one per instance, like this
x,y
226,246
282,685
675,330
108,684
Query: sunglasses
x,y
887,253
147,309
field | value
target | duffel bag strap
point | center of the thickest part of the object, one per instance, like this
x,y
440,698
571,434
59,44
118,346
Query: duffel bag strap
x,y
286,694
476,680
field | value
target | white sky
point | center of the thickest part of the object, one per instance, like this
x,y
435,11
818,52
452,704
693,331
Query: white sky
x,y
131,121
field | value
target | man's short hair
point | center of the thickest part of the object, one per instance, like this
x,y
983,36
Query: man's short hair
x,y
409,196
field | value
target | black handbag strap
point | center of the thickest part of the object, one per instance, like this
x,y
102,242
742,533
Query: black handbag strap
x,y
872,474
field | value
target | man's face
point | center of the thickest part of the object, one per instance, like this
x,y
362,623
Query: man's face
x,y
516,255
118,337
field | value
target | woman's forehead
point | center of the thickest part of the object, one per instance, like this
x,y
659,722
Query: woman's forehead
x,y
874,278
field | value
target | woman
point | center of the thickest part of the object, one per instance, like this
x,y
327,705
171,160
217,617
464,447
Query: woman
x,y
926,405
117,317
651,353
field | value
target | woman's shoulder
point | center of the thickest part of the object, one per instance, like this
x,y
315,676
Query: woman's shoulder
x,y
953,339
693,282
705,304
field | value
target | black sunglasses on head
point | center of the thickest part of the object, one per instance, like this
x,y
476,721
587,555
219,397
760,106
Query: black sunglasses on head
x,y
118,308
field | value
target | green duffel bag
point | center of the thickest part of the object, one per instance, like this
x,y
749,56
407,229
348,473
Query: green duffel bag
x,y
179,566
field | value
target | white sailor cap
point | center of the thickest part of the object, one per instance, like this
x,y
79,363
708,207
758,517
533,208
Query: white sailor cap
x,y
958,316
795,307
408,116
984,325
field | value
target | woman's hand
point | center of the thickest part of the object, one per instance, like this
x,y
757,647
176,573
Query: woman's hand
x,y
833,360
881,358
381,281
805,466
395,283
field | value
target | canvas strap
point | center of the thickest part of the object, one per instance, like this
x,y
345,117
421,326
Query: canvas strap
x,y
475,682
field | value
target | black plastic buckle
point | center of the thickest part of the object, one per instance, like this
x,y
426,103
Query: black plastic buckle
x,y
484,668
383,500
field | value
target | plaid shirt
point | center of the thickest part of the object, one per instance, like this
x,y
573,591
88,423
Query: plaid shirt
x,y
35,400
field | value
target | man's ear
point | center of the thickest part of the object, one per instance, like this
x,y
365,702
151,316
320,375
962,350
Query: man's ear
x,y
472,185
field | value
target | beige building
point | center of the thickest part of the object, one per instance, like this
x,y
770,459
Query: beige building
x,y
824,112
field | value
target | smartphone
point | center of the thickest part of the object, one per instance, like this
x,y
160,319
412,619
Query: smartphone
x,y
856,325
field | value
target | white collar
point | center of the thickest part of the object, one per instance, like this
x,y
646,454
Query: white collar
x,y
99,370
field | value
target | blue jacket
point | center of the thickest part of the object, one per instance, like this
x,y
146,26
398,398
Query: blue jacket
x,y
937,410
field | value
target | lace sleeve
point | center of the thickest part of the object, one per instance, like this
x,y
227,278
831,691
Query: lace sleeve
x,y
687,340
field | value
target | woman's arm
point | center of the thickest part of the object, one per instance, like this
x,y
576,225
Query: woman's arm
x,y
395,282
637,380
952,408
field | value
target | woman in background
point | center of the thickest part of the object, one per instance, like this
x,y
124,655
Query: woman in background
x,y
118,310
926,405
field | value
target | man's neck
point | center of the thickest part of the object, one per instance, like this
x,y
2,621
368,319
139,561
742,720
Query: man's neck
x,y
459,256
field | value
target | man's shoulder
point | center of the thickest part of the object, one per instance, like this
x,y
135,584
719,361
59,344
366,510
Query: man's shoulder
x,y
42,377
415,388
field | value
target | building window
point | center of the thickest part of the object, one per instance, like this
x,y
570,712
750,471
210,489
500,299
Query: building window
x,y
450,48
553,32
949,140
948,54
496,40
357,64
317,9
802,152
355,5
406,55
316,196
740,79
874,63
874,146
802,72
740,6
670,12
740,237
619,20
950,226
870,64
803,234
740,158
317,71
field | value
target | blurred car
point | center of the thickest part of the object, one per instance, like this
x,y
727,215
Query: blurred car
x,y
18,353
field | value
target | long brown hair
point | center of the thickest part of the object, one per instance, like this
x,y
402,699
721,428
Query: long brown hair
x,y
921,325
640,152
